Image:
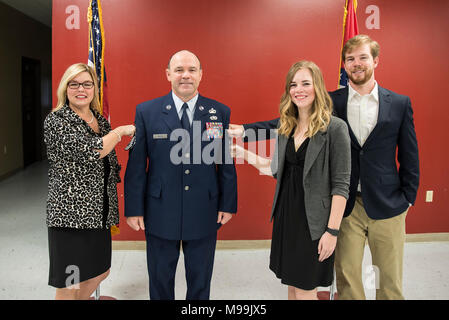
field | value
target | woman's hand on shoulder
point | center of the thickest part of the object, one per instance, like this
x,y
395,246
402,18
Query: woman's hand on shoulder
x,y
127,130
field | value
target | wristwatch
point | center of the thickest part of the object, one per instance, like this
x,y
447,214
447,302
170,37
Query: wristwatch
x,y
333,232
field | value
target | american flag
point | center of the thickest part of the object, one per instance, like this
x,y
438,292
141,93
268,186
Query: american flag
x,y
96,52
96,61
350,29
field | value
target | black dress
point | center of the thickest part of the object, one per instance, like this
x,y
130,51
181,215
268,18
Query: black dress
x,y
294,256
77,255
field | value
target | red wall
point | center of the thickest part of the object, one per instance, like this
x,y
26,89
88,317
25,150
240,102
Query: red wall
x,y
246,48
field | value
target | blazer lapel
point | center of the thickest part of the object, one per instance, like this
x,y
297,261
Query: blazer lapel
x,y
340,103
170,115
315,145
70,115
341,107
200,111
384,113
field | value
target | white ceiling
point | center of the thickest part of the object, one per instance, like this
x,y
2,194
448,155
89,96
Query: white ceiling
x,y
39,10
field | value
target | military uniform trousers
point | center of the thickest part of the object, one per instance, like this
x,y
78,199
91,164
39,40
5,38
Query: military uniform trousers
x,y
162,259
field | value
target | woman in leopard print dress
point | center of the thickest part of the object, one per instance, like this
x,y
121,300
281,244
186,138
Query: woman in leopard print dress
x,y
82,193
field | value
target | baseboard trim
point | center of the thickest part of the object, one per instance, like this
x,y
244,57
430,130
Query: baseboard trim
x,y
266,244
221,245
243,244
427,237
10,173
129,245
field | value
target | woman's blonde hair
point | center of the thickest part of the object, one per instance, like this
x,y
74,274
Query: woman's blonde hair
x,y
321,110
69,74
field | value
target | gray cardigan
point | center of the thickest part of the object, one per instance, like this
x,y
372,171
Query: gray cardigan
x,y
327,171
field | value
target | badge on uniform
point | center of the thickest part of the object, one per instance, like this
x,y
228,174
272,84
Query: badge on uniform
x,y
214,130
160,136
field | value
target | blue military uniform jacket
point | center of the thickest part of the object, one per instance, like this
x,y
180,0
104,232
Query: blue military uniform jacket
x,y
178,185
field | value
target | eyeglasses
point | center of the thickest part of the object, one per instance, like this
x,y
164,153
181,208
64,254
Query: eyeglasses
x,y
76,85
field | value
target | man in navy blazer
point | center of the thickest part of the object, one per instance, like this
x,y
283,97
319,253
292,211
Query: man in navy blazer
x,y
380,123
180,181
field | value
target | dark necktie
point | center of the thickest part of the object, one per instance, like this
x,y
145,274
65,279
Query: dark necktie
x,y
185,122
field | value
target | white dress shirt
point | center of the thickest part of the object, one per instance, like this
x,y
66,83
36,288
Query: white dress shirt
x,y
362,114
190,110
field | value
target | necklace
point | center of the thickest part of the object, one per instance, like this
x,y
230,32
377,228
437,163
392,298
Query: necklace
x,y
298,138
92,119
299,133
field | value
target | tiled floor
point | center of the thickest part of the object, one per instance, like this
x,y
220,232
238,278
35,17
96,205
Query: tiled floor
x,y
238,274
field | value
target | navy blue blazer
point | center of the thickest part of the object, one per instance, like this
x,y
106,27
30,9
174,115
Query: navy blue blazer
x,y
386,191
179,192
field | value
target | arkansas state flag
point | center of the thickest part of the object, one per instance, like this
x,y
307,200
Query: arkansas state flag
x,y
350,30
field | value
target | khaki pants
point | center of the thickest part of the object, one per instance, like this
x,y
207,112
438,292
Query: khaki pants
x,y
386,242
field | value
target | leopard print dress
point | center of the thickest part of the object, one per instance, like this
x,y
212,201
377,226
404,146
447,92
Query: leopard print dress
x,y
82,198
76,173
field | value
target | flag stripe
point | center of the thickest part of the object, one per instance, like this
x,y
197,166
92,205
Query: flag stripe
x,y
350,29
96,61
96,51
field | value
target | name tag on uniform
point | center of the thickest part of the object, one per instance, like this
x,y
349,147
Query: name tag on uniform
x,y
160,136
214,130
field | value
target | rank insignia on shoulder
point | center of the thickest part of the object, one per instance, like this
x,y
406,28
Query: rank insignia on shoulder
x,y
131,143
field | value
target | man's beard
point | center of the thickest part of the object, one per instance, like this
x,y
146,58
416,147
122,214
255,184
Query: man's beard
x,y
360,81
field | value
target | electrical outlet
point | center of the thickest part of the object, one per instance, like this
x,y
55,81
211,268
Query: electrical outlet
x,y
429,196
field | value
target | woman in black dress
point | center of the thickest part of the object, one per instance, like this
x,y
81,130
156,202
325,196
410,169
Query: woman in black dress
x,y
312,167
82,192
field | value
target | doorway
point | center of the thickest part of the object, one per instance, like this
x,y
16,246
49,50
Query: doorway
x,y
31,111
